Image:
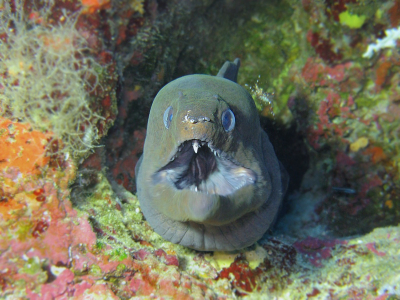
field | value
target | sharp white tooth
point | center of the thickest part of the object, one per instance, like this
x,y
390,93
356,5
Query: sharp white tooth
x,y
196,146
195,188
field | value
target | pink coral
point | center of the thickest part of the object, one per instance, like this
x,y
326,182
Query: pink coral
x,y
316,249
372,248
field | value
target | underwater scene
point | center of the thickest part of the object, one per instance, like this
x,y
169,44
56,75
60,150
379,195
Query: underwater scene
x,y
273,173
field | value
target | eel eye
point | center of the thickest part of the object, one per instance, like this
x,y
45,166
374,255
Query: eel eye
x,y
228,120
168,114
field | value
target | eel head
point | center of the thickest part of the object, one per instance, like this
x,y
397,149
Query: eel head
x,y
209,167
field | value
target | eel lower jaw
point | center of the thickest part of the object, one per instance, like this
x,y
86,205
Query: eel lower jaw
x,y
200,167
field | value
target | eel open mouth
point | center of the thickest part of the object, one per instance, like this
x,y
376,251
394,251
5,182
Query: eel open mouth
x,y
198,166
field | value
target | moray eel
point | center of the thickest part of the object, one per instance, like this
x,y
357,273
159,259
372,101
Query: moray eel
x,y
208,178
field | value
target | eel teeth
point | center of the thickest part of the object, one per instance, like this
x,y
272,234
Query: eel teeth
x,y
196,146
215,152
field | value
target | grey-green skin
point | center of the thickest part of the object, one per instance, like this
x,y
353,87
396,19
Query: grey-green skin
x,y
200,220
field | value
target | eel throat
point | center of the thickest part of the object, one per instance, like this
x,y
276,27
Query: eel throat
x,y
200,167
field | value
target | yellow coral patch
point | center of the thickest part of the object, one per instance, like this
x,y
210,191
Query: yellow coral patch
x,y
389,204
256,256
359,144
138,6
220,260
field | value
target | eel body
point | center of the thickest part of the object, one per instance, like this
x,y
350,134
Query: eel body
x,y
208,178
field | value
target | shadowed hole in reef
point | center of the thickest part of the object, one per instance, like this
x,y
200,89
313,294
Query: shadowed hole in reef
x,y
291,151
84,184
124,144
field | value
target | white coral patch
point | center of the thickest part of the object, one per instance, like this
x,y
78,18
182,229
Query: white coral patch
x,y
387,42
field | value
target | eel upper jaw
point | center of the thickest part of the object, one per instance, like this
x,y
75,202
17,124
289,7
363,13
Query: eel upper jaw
x,y
198,166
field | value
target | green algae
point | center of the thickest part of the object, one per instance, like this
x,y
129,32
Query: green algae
x,y
95,270
271,49
100,245
118,254
352,21
24,228
32,266
120,268
120,222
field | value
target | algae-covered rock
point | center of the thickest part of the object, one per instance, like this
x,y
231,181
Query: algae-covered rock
x,y
280,266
